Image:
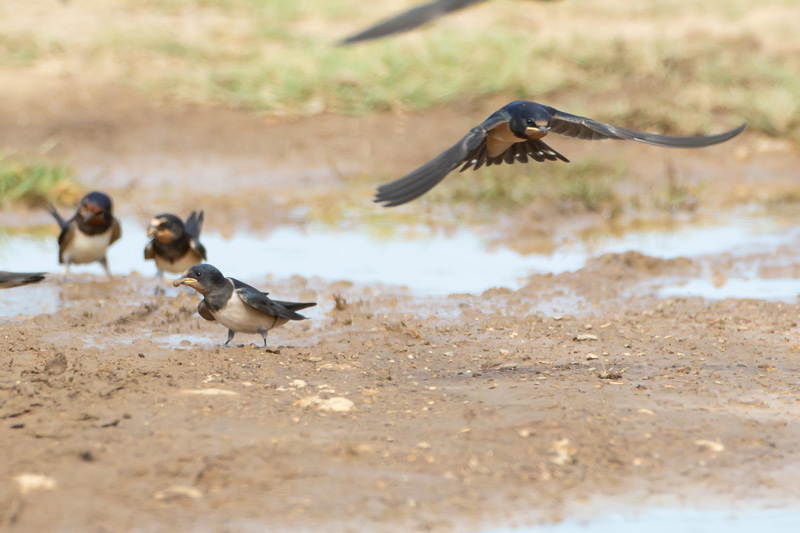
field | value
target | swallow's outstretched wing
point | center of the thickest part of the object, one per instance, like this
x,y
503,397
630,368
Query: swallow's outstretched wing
x,y
588,129
471,151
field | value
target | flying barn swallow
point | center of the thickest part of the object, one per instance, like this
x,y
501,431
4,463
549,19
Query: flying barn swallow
x,y
408,20
514,133
236,305
15,279
86,236
175,245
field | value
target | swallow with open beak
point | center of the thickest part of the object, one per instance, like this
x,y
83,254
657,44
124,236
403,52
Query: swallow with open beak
x,y
236,305
408,20
175,245
86,236
15,279
514,134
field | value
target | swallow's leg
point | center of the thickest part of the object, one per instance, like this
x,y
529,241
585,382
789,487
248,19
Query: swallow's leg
x,y
264,336
231,333
104,262
160,282
66,272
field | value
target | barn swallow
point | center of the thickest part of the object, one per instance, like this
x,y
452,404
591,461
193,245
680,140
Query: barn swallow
x,y
173,244
408,20
514,133
86,236
15,279
236,305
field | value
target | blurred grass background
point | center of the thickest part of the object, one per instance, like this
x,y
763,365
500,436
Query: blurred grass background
x,y
671,66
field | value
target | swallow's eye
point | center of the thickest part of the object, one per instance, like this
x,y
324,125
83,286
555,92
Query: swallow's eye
x,y
198,275
529,122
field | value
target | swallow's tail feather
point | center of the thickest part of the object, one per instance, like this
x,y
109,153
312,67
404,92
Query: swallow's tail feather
x,y
61,222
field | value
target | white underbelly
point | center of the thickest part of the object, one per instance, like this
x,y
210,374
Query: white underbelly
x,y
87,248
240,317
181,265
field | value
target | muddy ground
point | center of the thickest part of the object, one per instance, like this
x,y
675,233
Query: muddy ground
x,y
464,412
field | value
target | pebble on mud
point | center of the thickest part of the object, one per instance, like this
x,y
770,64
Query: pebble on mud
x,y
336,404
710,445
298,384
585,337
178,491
31,482
563,452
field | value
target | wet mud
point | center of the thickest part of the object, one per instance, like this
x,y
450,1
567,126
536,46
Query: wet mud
x,y
577,382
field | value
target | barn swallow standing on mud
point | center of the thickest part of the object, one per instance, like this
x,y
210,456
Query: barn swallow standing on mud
x,y
408,20
236,305
86,236
15,279
513,133
175,245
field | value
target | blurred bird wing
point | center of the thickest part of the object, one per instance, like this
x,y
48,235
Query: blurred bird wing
x,y
150,250
65,238
408,20
588,129
198,248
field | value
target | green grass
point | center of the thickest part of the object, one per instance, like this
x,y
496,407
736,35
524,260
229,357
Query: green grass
x,y
35,183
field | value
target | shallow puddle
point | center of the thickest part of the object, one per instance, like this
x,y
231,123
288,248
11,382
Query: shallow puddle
x,y
429,264
779,290
676,520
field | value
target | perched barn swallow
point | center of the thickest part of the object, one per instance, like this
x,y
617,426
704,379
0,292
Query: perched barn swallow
x,y
408,20
236,305
175,245
86,236
15,279
514,133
